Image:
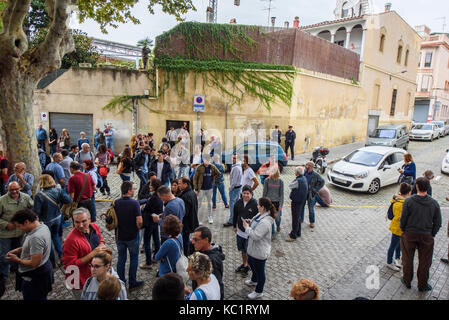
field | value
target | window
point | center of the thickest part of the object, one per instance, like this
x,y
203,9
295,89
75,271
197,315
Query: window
x,y
376,96
340,43
393,102
407,106
345,10
399,57
382,43
406,57
425,84
428,61
419,61
446,86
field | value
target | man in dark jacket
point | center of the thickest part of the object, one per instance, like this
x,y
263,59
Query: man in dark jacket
x,y
190,220
314,183
290,137
162,168
141,165
244,208
201,241
420,222
298,195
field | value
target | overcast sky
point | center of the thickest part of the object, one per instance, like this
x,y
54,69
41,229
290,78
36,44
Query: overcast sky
x,y
251,12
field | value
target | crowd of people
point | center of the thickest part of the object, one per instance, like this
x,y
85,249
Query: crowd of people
x,y
166,218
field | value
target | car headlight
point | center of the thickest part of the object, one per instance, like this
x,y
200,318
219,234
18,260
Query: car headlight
x,y
362,175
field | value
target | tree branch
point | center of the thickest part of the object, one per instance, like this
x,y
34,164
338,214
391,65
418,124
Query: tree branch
x,y
13,40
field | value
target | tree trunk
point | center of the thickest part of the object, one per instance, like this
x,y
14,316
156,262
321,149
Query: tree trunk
x,y
16,103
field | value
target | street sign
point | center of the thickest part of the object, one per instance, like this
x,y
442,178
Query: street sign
x,y
198,103
44,116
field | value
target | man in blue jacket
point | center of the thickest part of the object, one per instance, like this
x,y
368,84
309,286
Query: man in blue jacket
x,y
41,136
290,137
298,195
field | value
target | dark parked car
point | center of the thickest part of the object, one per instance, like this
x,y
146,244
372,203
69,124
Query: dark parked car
x,y
258,153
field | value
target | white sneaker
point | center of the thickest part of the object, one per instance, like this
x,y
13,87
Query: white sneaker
x,y
255,295
211,220
250,283
392,267
398,263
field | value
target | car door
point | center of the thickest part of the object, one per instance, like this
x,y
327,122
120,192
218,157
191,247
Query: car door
x,y
398,162
385,170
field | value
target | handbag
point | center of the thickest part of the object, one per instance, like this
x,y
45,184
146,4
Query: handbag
x,y
120,168
181,264
406,179
390,214
67,210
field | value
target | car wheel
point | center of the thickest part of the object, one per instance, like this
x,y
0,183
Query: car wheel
x,y
318,166
406,146
374,186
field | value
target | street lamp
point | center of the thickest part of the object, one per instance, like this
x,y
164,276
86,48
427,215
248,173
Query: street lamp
x,y
403,71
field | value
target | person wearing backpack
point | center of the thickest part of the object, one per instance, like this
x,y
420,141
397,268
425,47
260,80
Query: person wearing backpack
x,y
84,154
200,271
44,158
57,170
47,204
396,232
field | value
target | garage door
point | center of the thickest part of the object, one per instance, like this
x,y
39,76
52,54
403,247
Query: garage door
x,y
74,123
421,111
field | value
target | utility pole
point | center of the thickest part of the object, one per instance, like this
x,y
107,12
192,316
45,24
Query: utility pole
x,y
270,7
444,22
213,5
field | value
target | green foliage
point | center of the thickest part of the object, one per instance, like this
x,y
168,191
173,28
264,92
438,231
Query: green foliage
x,y
145,43
85,51
109,13
125,103
2,7
37,19
224,38
265,81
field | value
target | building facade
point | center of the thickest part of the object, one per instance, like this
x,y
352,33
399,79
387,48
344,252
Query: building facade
x,y
432,95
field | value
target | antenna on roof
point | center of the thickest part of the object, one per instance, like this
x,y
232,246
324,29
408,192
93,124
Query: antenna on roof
x,y
269,10
444,22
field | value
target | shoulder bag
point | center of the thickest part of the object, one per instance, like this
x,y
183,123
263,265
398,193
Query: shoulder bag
x,y
67,210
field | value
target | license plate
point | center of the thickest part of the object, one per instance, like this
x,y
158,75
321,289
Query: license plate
x,y
340,180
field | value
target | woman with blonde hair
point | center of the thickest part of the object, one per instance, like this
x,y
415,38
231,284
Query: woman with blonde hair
x,y
273,189
305,289
200,270
47,203
408,170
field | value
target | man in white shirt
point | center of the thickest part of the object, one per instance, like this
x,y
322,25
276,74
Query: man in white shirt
x,y
249,177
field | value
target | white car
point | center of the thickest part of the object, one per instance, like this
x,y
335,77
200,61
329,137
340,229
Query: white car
x,y
445,163
442,129
424,131
368,169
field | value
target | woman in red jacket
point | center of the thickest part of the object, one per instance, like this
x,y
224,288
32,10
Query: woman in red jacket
x,y
80,246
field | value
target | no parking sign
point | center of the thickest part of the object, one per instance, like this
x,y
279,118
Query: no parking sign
x,y
198,103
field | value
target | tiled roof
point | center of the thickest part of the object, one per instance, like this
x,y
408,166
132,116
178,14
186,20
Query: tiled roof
x,y
325,23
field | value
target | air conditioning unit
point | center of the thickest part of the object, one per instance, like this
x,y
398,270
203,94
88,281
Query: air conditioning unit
x,y
236,2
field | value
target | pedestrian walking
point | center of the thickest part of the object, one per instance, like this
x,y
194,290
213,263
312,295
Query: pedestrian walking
x,y
235,187
182,159
200,270
298,196
203,181
190,220
396,232
10,235
53,141
290,137
35,277
259,244
128,238
101,268
245,208
273,189
219,184
79,248
171,249
126,166
420,222
314,184
81,187
47,203
103,161
154,206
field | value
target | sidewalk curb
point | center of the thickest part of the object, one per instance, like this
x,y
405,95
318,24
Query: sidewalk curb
x,y
328,163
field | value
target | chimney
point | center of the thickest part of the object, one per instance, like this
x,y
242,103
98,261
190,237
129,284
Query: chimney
x,y
387,7
286,24
296,22
273,21
233,21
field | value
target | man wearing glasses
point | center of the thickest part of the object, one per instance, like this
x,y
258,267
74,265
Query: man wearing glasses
x,y
24,179
10,236
80,246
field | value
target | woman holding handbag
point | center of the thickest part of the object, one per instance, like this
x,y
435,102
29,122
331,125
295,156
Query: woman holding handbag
x,y
408,170
125,166
47,204
64,140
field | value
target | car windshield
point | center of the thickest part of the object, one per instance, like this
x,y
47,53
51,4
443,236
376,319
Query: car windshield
x,y
385,133
423,127
439,124
365,158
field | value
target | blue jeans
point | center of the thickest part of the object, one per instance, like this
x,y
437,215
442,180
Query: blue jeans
x,y
320,201
152,231
110,144
258,269
234,196
394,247
143,177
221,187
53,148
133,247
55,240
277,221
6,245
125,178
311,206
183,171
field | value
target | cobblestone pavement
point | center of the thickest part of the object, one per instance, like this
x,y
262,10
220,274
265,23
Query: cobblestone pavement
x,y
349,237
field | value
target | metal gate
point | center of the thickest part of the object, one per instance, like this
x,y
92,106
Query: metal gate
x,y
421,111
74,123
